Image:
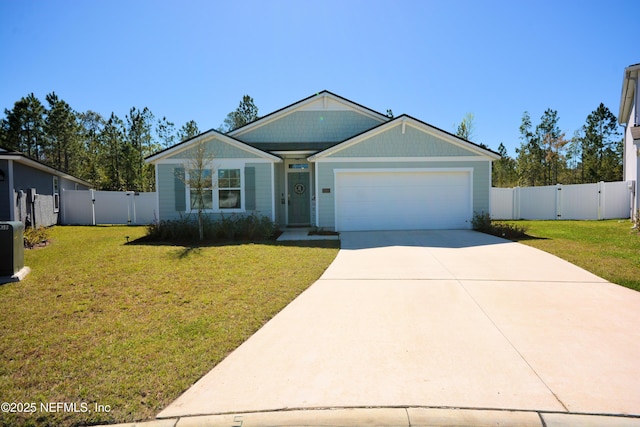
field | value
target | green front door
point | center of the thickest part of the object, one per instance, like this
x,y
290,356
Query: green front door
x,y
299,200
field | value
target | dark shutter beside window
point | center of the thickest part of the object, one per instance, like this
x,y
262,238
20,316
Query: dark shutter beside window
x,y
179,190
250,188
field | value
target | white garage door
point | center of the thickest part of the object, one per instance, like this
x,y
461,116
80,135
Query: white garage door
x,y
403,200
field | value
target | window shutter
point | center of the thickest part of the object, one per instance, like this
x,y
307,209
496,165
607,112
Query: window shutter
x,y
179,190
250,188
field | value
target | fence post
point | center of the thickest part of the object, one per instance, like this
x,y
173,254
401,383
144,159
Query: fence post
x,y
92,193
515,210
601,200
558,201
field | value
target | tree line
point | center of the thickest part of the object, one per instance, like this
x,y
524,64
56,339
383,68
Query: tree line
x,y
547,157
109,152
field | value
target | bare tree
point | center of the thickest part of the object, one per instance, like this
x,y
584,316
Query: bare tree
x,y
199,177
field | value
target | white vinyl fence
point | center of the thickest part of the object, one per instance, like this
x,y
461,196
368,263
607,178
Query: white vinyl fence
x,y
602,200
90,207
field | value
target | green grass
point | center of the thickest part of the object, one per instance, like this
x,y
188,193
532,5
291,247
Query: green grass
x,y
609,249
132,326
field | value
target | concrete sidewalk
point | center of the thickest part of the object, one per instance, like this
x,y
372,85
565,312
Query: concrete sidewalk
x,y
397,417
419,321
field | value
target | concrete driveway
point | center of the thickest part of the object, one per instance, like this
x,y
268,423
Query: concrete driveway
x,y
438,319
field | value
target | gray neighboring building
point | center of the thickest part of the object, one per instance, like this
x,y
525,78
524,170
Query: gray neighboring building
x,y
31,191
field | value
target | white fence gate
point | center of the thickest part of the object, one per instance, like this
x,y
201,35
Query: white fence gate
x,y
603,200
90,207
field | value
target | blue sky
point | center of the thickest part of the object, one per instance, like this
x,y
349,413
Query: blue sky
x,y
434,60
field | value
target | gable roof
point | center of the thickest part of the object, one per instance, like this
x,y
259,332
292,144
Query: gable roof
x,y
6,154
326,97
210,133
403,120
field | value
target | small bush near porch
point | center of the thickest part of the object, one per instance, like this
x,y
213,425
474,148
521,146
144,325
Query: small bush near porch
x,y
130,326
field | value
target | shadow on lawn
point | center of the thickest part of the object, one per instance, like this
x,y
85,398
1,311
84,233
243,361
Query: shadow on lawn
x,y
191,247
528,237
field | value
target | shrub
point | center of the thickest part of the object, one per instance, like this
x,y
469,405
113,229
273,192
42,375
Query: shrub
x,y
231,227
482,222
35,236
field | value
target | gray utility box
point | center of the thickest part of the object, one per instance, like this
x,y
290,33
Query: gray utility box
x,y
11,247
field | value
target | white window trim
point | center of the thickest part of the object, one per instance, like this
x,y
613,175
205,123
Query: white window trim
x,y
215,197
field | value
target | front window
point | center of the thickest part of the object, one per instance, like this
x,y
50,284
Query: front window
x,y
229,194
201,189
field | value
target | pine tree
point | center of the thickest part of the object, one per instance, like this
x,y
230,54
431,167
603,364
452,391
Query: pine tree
x,y
166,133
246,112
139,144
188,130
529,161
24,127
601,155
552,143
112,139
91,126
504,170
63,148
466,127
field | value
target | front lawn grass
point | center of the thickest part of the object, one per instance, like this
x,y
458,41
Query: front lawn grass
x,y
131,326
609,249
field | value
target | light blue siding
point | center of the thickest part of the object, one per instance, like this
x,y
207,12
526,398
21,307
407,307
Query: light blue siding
x,y
166,191
311,126
326,213
264,191
413,143
217,149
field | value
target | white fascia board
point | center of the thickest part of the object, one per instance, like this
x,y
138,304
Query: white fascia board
x,y
300,106
629,87
294,153
411,170
215,159
401,159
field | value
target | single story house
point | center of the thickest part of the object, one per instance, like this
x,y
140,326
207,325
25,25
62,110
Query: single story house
x,y
31,191
329,162
629,115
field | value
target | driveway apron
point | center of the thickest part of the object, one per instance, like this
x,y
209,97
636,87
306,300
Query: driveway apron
x,y
448,318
